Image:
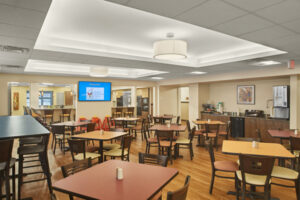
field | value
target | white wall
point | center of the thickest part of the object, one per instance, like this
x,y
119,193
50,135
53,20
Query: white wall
x,y
168,100
194,102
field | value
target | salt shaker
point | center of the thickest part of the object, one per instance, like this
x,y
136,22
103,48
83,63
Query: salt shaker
x,y
119,173
101,132
296,132
208,120
254,144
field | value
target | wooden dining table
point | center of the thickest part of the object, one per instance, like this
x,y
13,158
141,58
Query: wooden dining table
x,y
99,182
283,134
72,124
163,127
212,122
96,135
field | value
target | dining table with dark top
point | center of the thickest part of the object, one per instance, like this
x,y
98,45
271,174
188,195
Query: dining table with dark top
x,y
140,181
72,124
100,136
163,118
283,134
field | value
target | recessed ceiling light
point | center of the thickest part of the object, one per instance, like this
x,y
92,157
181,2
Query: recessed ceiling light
x,y
47,83
198,72
157,78
266,63
98,72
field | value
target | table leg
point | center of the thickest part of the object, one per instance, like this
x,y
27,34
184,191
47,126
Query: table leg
x,y
101,150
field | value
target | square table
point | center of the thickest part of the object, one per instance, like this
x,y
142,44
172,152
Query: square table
x,y
282,134
72,124
212,122
264,149
20,126
163,127
99,182
95,135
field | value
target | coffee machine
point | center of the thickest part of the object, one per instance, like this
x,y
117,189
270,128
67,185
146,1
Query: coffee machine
x,y
281,102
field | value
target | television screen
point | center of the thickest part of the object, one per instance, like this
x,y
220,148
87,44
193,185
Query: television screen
x,y
94,91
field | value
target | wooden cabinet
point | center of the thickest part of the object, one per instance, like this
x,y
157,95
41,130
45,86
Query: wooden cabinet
x,y
253,123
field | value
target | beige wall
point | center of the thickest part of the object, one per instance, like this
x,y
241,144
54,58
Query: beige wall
x,y
168,100
184,110
227,92
87,109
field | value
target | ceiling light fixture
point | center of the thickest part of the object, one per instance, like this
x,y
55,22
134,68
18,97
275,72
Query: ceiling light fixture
x,y
266,63
170,49
198,72
157,78
98,72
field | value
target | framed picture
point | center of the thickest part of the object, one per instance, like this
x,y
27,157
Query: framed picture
x,y
246,94
16,100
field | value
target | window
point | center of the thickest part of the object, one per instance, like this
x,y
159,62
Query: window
x,y
28,98
46,98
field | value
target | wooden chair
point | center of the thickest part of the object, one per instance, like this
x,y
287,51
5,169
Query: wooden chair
x,y
60,137
123,153
226,133
78,150
181,193
166,142
284,173
150,141
75,167
140,128
178,123
200,133
113,145
220,166
212,133
66,113
254,171
119,112
248,139
48,114
5,164
153,159
186,143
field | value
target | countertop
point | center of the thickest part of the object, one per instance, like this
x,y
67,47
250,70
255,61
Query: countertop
x,y
228,115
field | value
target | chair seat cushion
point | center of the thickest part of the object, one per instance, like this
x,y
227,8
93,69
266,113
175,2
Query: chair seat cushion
x,y
115,152
182,141
200,132
227,166
152,140
111,146
211,135
252,178
87,155
223,133
167,143
285,173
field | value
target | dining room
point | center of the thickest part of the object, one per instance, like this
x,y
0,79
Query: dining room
x,y
156,100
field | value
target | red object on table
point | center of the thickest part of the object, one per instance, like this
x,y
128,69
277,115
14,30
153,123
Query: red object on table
x,y
99,182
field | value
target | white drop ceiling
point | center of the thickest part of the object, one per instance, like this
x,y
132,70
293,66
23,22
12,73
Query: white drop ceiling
x,y
79,32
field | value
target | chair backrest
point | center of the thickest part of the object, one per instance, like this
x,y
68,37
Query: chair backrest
x,y
90,127
257,166
164,135
6,151
295,144
25,110
192,134
149,119
28,110
75,167
188,124
178,120
258,135
181,193
77,146
66,111
153,159
58,130
211,154
126,143
158,120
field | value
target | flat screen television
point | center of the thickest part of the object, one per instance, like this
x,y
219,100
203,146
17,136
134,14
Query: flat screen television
x,y
94,91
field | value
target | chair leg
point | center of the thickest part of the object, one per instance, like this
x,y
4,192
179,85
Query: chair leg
x,y
7,185
20,175
14,181
236,181
1,183
243,188
297,189
212,182
191,151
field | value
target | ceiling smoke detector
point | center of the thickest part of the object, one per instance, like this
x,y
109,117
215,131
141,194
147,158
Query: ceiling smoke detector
x,y
13,49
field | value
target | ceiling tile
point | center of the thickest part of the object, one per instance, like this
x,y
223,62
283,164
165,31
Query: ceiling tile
x,y
241,25
17,31
40,5
211,13
282,12
293,25
12,41
169,8
267,34
287,43
253,5
21,16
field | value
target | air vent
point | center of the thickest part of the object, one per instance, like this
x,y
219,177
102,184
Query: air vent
x,y
12,49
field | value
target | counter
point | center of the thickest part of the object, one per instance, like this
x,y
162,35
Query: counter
x,y
253,123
